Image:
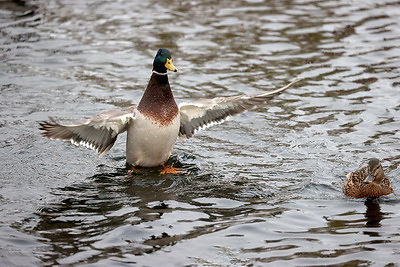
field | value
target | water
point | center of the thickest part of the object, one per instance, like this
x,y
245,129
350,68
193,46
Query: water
x,y
261,189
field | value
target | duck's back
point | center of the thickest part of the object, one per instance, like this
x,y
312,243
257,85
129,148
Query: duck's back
x,y
355,186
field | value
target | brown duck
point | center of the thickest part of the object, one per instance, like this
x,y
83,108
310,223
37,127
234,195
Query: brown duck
x,y
368,180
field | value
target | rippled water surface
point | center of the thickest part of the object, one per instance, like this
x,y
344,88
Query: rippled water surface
x,y
264,188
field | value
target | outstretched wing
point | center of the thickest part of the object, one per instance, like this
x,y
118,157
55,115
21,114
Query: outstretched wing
x,y
204,113
98,133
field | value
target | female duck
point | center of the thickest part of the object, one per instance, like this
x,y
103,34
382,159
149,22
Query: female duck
x,y
359,183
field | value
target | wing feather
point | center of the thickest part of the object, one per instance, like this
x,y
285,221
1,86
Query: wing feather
x,y
204,113
98,133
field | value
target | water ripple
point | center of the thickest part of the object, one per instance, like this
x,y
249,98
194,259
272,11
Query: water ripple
x,y
262,188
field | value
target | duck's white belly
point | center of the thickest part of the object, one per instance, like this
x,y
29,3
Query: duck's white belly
x,y
149,144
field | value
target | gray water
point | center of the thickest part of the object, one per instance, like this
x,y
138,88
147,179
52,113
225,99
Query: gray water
x,y
263,188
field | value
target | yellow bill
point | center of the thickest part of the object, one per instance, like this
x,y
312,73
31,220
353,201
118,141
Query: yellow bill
x,y
170,66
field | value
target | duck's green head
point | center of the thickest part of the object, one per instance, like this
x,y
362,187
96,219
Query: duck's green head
x,y
163,61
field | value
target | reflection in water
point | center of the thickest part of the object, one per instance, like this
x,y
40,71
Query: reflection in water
x,y
373,213
102,213
114,213
372,217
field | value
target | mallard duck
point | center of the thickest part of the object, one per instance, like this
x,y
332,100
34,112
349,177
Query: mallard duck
x,y
154,125
368,180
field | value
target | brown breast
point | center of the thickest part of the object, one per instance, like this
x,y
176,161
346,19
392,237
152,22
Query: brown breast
x,y
158,102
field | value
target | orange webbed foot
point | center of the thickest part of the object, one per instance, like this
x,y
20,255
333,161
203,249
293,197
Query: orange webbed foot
x,y
170,169
132,171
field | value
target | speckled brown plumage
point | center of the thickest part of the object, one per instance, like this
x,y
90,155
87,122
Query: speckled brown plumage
x,y
357,184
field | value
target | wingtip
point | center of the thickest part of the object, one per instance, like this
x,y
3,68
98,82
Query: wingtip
x,y
292,82
280,90
47,126
297,79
